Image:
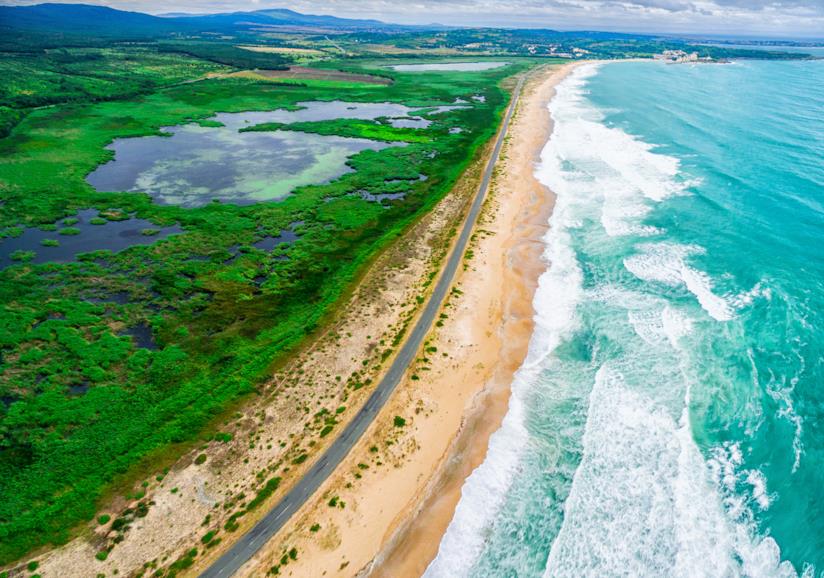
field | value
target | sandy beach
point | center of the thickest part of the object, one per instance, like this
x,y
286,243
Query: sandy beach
x,y
518,214
383,513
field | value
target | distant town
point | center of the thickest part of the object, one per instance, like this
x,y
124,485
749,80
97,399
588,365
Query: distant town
x,y
680,56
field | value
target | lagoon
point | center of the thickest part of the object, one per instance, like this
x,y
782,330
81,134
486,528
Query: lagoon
x,y
192,165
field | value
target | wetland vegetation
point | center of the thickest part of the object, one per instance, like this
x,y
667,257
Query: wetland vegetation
x,y
158,260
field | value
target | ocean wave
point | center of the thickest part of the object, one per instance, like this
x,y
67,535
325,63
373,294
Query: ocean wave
x,y
558,293
666,263
643,499
645,503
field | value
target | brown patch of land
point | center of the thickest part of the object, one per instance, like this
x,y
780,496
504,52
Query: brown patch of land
x,y
284,50
305,73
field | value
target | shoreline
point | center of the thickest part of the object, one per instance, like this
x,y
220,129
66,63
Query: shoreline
x,y
383,511
416,541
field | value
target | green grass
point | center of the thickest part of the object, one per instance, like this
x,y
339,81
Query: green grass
x,y
217,332
349,128
54,76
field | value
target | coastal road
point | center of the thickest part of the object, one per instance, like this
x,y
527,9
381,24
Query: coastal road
x,y
268,526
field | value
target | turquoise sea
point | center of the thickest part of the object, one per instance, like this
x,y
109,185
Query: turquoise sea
x,y
669,418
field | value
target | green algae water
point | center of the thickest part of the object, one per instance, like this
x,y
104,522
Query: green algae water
x,y
669,418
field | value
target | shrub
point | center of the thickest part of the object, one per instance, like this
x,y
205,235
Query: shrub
x,y
22,256
70,231
214,542
264,493
208,536
314,528
50,242
102,555
399,421
200,459
33,565
98,221
103,519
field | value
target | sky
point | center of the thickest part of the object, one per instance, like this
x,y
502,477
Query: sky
x,y
752,18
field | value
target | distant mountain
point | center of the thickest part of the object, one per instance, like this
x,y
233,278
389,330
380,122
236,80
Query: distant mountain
x,y
84,18
285,17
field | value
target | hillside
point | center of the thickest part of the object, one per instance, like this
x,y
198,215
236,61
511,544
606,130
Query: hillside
x,y
87,19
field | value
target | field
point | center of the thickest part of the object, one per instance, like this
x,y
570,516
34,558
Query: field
x,y
116,357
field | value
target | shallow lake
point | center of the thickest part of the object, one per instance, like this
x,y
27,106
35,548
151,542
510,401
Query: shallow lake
x,y
449,66
197,164
113,235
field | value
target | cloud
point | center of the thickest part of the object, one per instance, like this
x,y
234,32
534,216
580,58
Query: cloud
x,y
740,17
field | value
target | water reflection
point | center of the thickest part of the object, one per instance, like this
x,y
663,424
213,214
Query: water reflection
x,y
196,164
83,237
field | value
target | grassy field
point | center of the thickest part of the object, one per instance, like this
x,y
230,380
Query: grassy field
x,y
82,402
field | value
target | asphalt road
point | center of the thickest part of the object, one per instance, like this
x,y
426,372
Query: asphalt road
x,y
254,539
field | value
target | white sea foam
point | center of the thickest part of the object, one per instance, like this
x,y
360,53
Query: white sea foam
x,y
623,170
645,503
557,295
660,324
639,505
667,263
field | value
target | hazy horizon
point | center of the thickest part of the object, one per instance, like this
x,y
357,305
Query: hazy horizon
x,y
790,19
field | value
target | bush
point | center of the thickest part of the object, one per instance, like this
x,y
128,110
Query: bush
x,y
32,566
22,256
399,421
102,555
103,519
214,542
70,231
200,459
208,536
